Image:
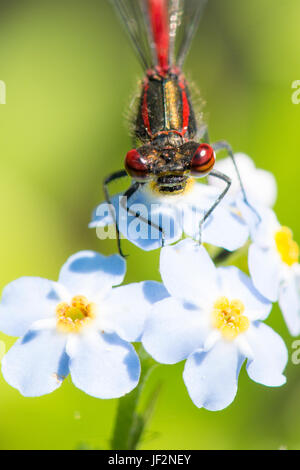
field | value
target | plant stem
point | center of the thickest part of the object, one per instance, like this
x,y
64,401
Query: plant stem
x,y
226,258
129,425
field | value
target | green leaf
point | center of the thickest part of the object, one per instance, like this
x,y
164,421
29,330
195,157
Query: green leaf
x,y
143,419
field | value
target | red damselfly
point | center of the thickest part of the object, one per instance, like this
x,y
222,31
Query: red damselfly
x,y
170,145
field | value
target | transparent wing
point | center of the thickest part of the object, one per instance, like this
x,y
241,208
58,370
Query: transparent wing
x,y
144,21
184,19
135,18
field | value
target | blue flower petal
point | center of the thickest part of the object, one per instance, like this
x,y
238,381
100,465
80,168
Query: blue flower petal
x,y
26,301
212,377
103,365
270,355
128,307
265,271
224,228
262,221
236,285
89,273
136,229
259,184
173,331
173,214
37,363
154,291
187,271
289,301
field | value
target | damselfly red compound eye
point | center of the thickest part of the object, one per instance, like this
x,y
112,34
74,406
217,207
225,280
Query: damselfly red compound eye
x,y
203,160
136,165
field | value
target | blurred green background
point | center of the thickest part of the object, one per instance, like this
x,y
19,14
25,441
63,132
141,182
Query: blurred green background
x,y
70,73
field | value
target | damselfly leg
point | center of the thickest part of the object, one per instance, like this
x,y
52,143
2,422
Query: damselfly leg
x,y
124,203
114,177
227,180
223,145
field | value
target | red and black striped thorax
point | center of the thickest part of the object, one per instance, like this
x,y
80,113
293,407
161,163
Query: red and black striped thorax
x,y
165,109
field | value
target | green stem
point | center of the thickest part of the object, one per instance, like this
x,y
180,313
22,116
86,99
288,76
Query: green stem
x,y
129,425
226,258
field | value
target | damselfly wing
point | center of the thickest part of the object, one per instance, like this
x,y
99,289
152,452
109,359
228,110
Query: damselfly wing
x,y
161,31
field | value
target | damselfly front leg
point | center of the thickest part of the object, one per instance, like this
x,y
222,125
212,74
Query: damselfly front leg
x,y
223,145
114,177
227,180
124,203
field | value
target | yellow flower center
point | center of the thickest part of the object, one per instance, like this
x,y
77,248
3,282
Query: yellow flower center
x,y
227,316
287,248
71,318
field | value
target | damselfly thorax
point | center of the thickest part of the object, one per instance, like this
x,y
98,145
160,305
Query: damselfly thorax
x,y
165,109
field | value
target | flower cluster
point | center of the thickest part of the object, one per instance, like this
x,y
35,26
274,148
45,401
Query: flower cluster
x,y
211,317
79,325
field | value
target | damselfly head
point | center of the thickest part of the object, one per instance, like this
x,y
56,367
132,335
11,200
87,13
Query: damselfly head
x,y
170,167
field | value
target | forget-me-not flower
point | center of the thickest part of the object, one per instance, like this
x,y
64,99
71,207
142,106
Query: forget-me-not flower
x,y
78,325
176,214
213,318
260,185
274,265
